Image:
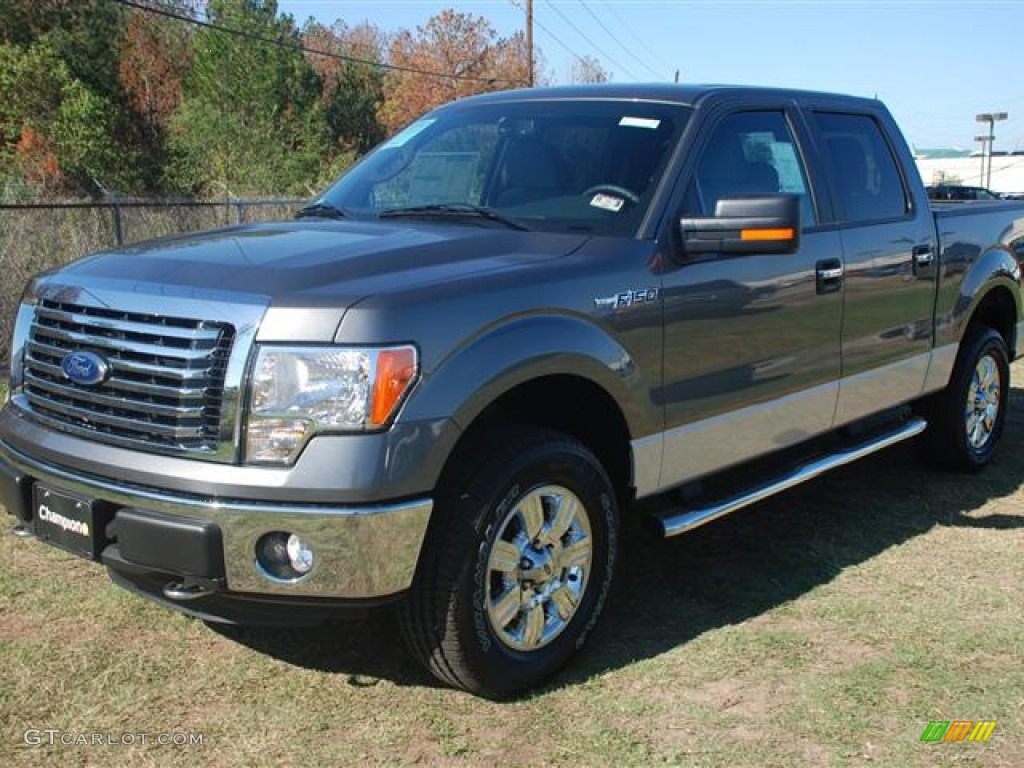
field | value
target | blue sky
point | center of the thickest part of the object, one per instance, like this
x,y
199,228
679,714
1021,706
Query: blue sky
x,y
936,63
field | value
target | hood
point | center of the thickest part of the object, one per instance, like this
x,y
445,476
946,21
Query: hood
x,y
315,263
300,277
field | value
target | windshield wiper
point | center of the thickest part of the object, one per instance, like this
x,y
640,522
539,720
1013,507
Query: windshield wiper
x,y
321,210
454,210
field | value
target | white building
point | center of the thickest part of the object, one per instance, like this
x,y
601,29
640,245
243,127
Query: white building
x,y
938,166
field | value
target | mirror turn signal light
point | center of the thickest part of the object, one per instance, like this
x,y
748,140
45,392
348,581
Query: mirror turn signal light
x,y
767,234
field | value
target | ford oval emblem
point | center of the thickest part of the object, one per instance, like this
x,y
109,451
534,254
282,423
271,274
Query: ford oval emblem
x,y
86,368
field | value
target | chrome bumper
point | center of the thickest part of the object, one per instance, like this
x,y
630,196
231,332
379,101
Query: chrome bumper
x,y
361,551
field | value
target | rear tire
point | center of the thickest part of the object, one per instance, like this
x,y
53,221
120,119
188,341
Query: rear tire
x,y
967,418
517,562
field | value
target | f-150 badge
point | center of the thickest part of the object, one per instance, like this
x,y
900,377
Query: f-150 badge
x,y
630,298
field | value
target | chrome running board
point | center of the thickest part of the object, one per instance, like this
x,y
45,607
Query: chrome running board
x,y
673,522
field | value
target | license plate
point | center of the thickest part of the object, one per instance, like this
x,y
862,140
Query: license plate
x,y
65,521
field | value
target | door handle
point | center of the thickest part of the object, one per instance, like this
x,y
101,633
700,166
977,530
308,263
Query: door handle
x,y
829,275
923,255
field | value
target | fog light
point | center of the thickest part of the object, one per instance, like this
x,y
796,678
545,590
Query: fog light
x,y
283,556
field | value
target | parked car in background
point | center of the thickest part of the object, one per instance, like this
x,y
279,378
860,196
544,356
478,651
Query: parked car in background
x,y
960,192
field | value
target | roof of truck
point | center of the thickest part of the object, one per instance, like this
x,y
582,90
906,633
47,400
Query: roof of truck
x,y
689,94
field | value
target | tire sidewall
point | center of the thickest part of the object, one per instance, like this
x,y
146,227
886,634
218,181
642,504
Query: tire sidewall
x,y
986,343
500,668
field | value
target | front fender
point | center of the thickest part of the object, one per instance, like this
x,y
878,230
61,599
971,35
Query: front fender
x,y
522,349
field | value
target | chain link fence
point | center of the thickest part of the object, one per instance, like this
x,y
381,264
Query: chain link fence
x,y
34,237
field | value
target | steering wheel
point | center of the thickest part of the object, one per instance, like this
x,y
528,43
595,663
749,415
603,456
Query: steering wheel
x,y
633,197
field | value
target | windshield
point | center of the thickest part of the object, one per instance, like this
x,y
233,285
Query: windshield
x,y
552,166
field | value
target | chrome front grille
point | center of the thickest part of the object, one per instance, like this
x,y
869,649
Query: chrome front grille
x,y
165,385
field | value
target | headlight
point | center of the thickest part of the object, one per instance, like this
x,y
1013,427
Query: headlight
x,y
22,326
300,391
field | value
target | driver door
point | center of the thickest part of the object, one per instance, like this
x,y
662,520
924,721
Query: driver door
x,y
752,341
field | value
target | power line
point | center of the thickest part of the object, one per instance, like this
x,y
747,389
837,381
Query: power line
x,y
549,33
617,41
643,43
304,49
593,45
558,40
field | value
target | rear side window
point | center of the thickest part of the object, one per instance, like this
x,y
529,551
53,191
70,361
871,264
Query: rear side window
x,y
870,186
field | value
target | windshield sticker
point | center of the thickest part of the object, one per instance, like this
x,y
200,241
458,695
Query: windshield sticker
x,y
607,202
403,137
640,122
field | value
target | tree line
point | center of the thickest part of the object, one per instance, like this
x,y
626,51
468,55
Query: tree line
x,y
101,97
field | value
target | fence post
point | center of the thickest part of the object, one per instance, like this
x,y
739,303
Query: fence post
x,y
118,230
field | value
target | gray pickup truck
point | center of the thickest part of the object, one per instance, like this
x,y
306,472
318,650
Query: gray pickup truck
x,y
448,378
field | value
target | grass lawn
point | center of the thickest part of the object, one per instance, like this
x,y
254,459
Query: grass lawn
x,y
826,627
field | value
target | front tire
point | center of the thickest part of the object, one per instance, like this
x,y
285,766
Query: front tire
x,y
517,563
969,416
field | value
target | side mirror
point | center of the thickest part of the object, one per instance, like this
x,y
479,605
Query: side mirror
x,y
756,224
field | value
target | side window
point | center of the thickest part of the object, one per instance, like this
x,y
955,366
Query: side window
x,y
749,153
869,184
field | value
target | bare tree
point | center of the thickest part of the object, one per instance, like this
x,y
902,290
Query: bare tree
x,y
588,70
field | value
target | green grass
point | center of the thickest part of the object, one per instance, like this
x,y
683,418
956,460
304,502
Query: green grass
x,y
826,627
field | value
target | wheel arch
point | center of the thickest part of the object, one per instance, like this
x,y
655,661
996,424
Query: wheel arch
x,y
990,295
567,403
560,372
998,309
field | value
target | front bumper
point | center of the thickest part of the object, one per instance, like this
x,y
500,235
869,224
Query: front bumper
x,y
363,552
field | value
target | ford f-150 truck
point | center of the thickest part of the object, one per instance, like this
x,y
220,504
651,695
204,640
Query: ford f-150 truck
x,y
445,382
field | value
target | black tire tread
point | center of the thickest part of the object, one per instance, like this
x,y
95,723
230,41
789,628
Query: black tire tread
x,y
944,444
426,615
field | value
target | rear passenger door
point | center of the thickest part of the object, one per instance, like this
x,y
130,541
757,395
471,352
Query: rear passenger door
x,y
751,359
889,256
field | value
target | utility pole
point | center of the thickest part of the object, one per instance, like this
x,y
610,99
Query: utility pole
x,y
986,144
529,41
984,155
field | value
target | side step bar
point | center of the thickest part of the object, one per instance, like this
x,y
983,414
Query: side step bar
x,y
675,522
